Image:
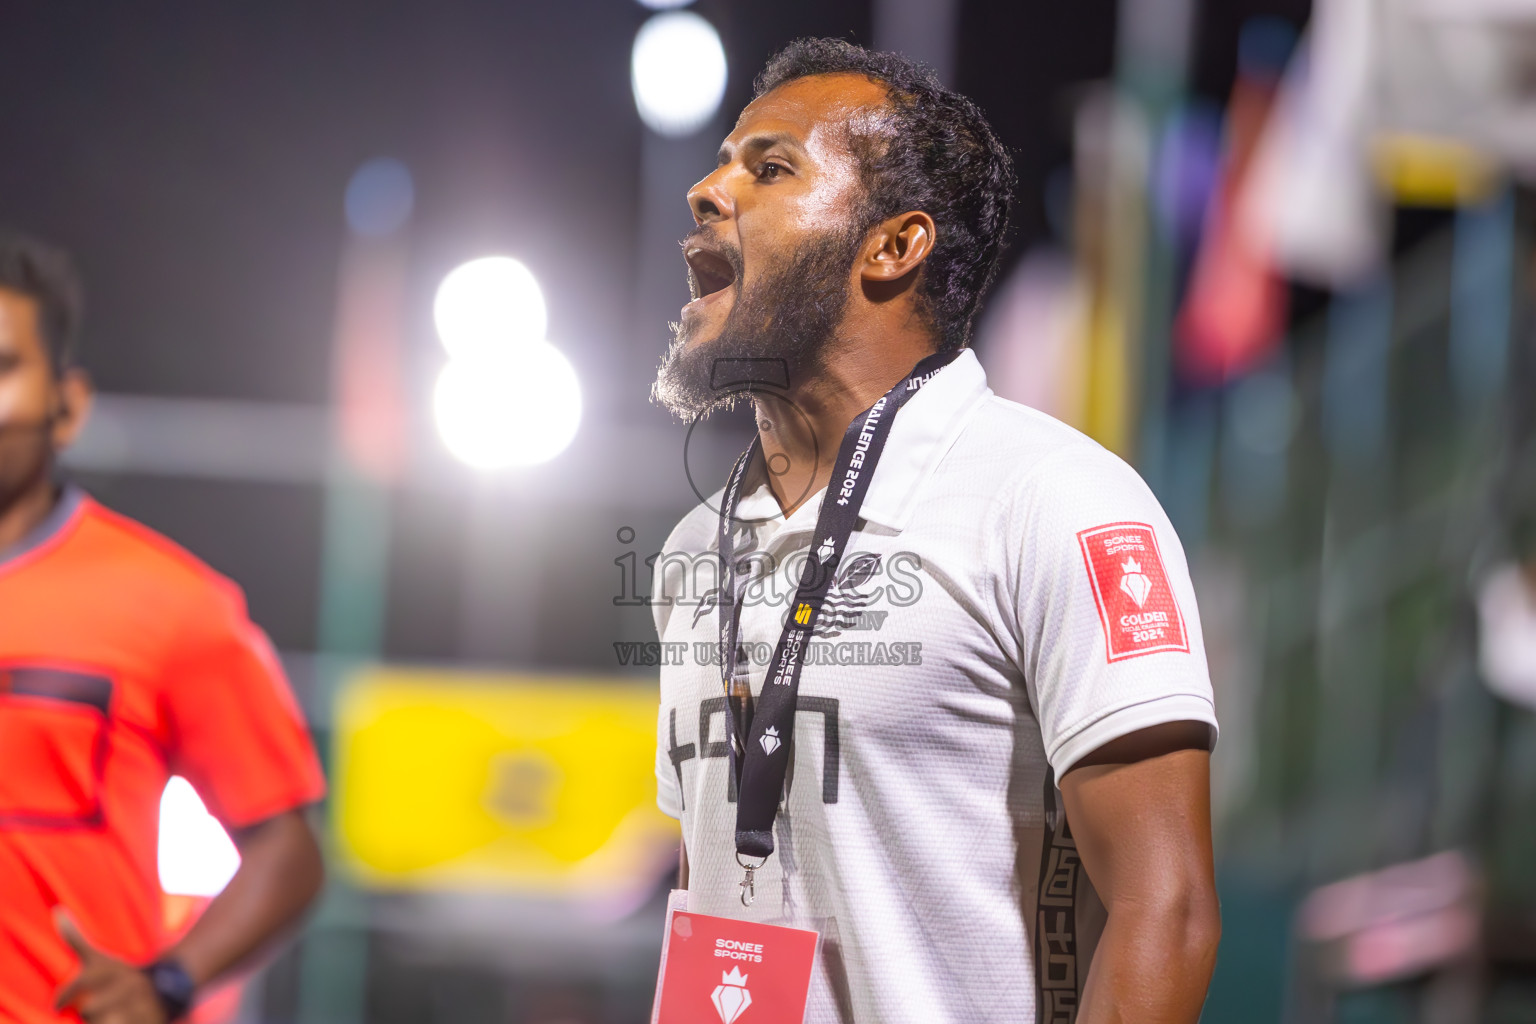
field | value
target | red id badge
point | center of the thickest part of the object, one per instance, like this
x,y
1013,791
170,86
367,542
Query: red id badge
x,y
721,969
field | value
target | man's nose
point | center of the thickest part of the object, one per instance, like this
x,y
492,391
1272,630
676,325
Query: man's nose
x,y
708,199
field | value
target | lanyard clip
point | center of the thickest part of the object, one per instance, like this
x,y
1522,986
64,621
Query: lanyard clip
x,y
748,884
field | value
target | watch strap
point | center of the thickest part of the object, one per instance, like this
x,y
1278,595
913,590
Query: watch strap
x,y
173,985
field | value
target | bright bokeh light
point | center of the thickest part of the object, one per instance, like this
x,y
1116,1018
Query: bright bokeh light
x,y
197,857
677,70
508,408
664,5
489,305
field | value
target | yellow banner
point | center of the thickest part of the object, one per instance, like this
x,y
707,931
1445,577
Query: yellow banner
x,y
449,779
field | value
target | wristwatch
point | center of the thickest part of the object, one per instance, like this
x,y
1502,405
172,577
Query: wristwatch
x,y
173,985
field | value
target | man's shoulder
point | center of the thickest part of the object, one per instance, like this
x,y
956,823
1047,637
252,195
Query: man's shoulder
x,y
686,563
1025,450
695,533
1048,482
152,562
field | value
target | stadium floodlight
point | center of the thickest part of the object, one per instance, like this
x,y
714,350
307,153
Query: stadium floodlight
x,y
489,304
197,857
501,408
677,70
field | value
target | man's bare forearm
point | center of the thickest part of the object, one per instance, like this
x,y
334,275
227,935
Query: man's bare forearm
x,y
1153,964
281,872
1140,812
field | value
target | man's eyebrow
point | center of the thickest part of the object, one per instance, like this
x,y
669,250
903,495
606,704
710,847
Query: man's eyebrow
x,y
758,141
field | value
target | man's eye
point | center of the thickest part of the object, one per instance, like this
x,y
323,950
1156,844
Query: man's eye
x,y
769,170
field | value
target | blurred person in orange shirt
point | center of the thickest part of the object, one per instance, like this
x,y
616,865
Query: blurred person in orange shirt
x,y
123,660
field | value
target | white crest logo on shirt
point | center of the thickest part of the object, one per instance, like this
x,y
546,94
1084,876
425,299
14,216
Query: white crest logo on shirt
x,y
731,997
770,739
826,551
1135,583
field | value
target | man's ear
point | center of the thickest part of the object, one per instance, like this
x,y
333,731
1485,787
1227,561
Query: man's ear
x,y
897,246
76,395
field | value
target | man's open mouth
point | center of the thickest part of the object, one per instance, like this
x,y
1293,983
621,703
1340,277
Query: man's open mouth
x,y
709,271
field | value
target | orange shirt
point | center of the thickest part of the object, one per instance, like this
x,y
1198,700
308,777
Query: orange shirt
x,y
123,660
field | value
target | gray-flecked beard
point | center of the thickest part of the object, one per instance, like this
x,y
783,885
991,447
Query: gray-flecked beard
x,y
788,317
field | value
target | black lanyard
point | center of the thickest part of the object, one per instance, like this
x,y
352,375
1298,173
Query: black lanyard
x,y
760,760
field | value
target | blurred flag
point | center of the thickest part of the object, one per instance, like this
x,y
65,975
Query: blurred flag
x,y
1056,337
1235,308
1424,102
1031,340
1112,160
368,373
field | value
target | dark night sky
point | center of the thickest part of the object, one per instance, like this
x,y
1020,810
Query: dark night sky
x,y
193,157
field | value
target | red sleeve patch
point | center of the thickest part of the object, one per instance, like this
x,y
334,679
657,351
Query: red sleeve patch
x,y
1136,605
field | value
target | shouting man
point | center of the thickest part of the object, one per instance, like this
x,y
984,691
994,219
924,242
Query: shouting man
x,y
977,758
123,659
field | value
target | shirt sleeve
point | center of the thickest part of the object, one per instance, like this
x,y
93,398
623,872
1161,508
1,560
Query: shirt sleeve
x,y
237,733
1109,634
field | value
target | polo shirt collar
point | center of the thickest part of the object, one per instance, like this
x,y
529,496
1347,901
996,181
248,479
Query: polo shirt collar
x,y
71,498
924,430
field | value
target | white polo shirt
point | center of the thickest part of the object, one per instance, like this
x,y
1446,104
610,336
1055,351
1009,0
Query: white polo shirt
x,y
1013,599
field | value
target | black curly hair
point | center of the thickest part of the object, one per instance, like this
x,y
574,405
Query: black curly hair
x,y
47,276
933,151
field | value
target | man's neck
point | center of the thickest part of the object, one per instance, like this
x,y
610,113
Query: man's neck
x,y
802,431
29,508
